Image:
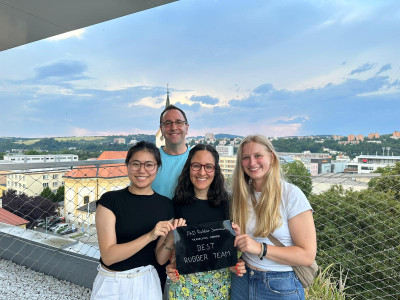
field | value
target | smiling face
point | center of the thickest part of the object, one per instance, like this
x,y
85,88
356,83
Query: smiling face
x,y
201,179
141,179
256,162
173,134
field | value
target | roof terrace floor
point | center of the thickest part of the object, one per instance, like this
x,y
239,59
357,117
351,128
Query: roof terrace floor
x,y
18,282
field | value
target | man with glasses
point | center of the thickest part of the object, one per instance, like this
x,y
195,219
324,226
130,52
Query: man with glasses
x,y
174,127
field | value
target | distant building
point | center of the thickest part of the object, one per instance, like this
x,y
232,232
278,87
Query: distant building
x,y
33,181
338,166
373,136
12,219
106,155
351,137
225,150
337,137
360,137
285,159
227,165
323,164
369,163
119,140
85,184
396,135
209,136
47,158
312,168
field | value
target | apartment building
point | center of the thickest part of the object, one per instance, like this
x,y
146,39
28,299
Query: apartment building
x,y
86,184
227,164
48,158
33,181
225,150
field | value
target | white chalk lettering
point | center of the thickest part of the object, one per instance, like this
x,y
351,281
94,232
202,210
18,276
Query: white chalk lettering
x,y
222,254
204,247
195,258
200,231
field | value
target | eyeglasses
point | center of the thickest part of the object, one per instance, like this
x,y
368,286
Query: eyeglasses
x,y
207,167
136,165
178,123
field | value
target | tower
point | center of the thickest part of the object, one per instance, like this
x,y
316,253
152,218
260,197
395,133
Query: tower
x,y
159,138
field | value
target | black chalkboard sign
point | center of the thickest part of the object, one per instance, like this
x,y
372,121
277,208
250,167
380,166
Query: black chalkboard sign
x,y
205,247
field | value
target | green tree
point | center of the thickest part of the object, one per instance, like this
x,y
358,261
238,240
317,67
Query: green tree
x,y
359,231
388,182
32,152
48,194
59,196
295,172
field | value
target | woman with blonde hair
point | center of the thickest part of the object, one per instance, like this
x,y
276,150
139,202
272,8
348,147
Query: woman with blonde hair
x,y
263,204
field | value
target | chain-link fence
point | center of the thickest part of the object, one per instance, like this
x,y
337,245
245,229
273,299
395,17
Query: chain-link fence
x,y
357,221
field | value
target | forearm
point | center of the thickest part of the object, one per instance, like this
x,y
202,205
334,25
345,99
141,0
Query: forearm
x,y
119,252
165,249
292,255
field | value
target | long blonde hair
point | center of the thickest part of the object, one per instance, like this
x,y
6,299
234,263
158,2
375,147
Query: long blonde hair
x,y
267,210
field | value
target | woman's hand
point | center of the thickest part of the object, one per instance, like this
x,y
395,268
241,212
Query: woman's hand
x,y
178,223
247,244
236,229
172,272
244,242
239,269
161,229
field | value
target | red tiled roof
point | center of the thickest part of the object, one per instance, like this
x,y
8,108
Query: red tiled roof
x,y
11,219
102,171
112,155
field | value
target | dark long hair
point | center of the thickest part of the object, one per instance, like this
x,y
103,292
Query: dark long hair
x,y
144,146
184,192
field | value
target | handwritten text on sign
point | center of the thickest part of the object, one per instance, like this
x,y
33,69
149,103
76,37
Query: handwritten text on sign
x,y
205,247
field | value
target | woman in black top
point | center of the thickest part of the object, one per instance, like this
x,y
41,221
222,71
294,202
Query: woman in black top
x,y
128,223
201,197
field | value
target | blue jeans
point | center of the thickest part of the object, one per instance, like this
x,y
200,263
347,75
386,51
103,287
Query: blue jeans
x,y
257,285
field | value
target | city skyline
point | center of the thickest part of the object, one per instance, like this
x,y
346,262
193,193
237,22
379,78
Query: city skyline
x,y
279,69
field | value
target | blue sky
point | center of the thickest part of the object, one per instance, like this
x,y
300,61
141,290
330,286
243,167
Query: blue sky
x,y
278,68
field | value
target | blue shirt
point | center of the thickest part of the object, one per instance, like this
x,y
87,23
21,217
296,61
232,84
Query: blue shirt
x,y
167,176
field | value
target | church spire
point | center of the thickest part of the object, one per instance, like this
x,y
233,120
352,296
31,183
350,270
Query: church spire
x,y
167,103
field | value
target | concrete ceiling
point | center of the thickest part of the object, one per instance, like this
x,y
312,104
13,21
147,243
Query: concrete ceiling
x,y
26,21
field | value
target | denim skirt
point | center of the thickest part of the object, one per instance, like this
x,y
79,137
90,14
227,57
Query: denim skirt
x,y
258,285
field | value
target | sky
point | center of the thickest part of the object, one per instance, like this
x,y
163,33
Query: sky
x,y
278,68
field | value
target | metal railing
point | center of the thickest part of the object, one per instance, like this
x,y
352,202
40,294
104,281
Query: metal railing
x,y
357,220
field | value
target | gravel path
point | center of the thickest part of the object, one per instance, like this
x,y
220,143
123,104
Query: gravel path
x,y
18,282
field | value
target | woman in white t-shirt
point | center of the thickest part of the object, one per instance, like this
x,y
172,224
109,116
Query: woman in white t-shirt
x,y
265,204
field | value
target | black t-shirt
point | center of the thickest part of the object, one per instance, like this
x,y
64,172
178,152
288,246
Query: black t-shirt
x,y
135,216
201,211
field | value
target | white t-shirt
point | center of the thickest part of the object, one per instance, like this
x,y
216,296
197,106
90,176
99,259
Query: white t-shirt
x,y
293,203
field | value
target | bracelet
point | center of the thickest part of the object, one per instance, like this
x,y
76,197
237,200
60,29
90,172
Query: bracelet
x,y
265,249
261,256
168,248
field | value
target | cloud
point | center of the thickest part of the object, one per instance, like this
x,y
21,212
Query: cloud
x,y
204,100
365,67
263,89
71,34
384,68
65,69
